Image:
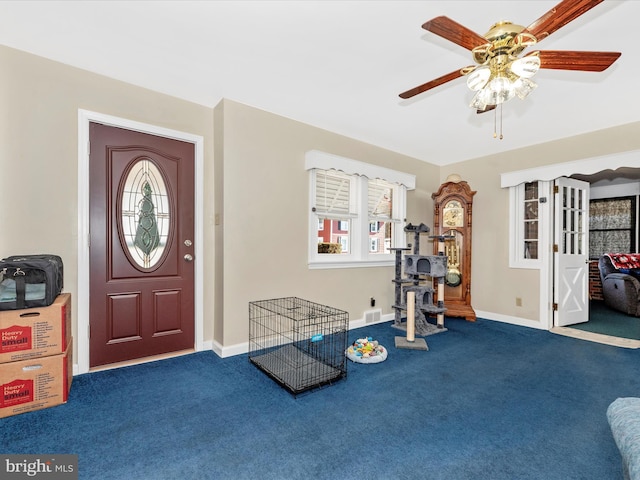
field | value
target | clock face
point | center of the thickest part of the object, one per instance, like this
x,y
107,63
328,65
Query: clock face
x,y
452,214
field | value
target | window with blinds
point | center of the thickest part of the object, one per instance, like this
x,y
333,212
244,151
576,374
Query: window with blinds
x,y
356,218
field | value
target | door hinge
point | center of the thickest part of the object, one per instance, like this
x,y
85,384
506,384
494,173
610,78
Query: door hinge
x,y
555,307
556,189
555,248
89,330
88,147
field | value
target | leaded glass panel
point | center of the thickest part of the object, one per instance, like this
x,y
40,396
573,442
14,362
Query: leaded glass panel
x,y
145,214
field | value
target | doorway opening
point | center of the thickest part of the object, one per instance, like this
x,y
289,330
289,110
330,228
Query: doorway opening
x,y
549,173
613,229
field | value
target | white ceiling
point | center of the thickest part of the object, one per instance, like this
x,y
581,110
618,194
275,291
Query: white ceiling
x,y
340,65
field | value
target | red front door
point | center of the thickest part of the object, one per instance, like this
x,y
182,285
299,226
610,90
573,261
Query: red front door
x,y
141,249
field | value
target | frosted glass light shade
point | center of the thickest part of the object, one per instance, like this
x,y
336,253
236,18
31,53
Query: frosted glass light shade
x,y
526,67
523,87
478,78
478,101
500,89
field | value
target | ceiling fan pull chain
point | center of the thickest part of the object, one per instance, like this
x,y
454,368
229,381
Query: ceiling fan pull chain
x,y
495,119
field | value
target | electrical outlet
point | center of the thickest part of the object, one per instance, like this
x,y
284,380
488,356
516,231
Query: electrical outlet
x,y
373,302
518,302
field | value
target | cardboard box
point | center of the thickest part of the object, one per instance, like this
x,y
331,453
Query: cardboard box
x,y
36,383
35,332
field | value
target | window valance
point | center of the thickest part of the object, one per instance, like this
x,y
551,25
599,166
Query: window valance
x,y
566,169
328,161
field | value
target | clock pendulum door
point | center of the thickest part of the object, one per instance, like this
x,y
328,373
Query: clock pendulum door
x,y
453,278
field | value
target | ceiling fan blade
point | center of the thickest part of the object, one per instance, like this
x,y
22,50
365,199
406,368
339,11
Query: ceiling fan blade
x,y
454,32
488,108
432,84
563,13
574,60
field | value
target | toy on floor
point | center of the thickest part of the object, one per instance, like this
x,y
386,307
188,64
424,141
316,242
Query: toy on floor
x,y
366,350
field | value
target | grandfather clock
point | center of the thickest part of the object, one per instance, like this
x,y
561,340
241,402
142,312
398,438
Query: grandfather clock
x,y
452,220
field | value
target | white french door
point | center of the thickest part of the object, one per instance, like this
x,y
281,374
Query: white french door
x,y
571,257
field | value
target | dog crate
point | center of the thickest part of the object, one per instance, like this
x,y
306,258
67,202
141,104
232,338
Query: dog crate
x,y
298,343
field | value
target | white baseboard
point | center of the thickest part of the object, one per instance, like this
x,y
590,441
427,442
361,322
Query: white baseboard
x,y
241,348
231,350
522,322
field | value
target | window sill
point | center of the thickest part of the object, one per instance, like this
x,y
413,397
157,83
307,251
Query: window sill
x,y
523,263
351,264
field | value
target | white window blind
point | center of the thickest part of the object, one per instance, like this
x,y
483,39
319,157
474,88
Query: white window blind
x,y
333,194
380,199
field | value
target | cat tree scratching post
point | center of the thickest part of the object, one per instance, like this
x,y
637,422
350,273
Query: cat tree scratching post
x,y
416,268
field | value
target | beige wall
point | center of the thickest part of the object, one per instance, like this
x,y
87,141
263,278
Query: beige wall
x,y
257,188
265,217
495,286
39,152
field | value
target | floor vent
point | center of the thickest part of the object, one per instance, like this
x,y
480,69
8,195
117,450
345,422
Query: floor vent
x,y
373,316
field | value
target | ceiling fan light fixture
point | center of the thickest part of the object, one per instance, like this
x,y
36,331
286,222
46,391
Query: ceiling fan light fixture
x,y
499,90
523,87
526,67
499,73
478,78
478,102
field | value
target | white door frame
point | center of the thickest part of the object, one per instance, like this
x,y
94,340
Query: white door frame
x,y
551,172
82,297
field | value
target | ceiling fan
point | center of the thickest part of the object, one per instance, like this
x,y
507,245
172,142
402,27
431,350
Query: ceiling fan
x,y
500,72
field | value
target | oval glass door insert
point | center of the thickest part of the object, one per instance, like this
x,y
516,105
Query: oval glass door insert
x,y
146,215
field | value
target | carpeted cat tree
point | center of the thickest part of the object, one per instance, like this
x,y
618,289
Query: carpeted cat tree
x,y
414,295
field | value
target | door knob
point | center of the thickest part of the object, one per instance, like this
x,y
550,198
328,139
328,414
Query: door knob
x,y
188,257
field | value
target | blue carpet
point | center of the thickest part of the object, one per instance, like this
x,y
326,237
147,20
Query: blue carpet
x,y
608,321
487,401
